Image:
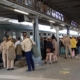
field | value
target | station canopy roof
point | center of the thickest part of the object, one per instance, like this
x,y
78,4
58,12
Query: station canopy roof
x,y
71,8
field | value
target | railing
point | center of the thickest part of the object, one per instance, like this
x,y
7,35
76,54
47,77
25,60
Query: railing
x,y
40,6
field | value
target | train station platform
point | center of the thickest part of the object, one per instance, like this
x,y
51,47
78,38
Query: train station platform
x,y
65,69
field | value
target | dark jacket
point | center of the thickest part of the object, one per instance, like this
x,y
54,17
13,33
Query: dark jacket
x,y
78,43
49,46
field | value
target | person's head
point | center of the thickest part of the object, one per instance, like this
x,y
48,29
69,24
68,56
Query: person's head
x,y
18,38
4,39
10,38
53,37
72,36
24,34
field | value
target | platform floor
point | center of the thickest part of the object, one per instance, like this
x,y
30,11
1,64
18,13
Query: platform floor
x,y
65,69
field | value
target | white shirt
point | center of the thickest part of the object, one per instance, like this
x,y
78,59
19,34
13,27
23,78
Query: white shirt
x,y
27,44
16,43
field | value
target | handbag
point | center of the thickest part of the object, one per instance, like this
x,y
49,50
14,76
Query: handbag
x,y
73,53
35,50
11,53
48,50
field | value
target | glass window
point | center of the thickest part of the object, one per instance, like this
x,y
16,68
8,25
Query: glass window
x,y
48,10
14,35
53,13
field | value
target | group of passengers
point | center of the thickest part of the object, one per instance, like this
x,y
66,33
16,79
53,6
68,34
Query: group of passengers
x,y
12,50
49,49
70,45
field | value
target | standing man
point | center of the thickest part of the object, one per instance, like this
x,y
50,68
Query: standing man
x,y
67,46
26,47
10,62
4,51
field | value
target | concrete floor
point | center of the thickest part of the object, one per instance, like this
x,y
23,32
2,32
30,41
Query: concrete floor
x,y
68,69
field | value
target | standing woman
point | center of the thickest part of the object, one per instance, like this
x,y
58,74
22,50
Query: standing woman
x,y
54,42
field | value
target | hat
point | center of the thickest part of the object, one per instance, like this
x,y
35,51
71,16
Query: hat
x,y
4,38
10,37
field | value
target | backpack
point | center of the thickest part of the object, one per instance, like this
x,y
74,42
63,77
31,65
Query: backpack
x,y
19,49
11,52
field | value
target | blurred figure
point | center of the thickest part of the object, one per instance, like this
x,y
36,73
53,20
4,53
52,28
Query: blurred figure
x,y
4,51
18,48
73,45
10,62
78,45
67,46
62,48
27,48
55,48
42,47
49,50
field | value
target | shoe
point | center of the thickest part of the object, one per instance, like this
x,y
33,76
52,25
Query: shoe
x,y
45,62
49,63
65,57
12,69
8,69
33,69
28,70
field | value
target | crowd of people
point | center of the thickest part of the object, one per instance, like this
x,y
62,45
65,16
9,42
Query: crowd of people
x,y
12,50
70,45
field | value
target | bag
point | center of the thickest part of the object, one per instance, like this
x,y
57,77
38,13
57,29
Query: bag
x,y
48,50
11,53
19,49
35,50
73,53
20,63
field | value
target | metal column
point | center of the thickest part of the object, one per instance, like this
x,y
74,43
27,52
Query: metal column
x,y
57,36
68,31
36,36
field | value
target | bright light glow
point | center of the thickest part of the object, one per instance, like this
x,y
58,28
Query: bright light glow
x,y
73,32
51,21
26,23
19,11
13,21
62,24
63,31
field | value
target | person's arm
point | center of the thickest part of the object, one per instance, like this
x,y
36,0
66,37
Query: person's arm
x,y
33,42
22,45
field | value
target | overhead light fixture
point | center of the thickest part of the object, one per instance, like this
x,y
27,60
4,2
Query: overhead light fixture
x,y
51,21
62,24
22,12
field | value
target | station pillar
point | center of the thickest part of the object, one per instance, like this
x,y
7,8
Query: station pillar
x,y
57,36
36,38
68,30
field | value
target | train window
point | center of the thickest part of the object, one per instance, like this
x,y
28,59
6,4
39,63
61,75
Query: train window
x,y
39,34
31,33
14,35
44,34
48,34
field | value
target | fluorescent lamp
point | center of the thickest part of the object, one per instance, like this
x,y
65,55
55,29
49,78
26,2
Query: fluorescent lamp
x,y
22,12
51,21
62,24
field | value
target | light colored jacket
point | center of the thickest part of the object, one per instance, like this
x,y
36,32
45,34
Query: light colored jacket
x,y
3,47
67,41
73,43
27,44
8,44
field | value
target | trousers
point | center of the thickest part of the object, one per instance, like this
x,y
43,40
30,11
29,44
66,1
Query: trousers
x,y
10,63
30,61
67,49
4,57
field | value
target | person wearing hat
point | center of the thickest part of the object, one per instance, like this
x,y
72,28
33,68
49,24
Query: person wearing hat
x,y
10,63
4,52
